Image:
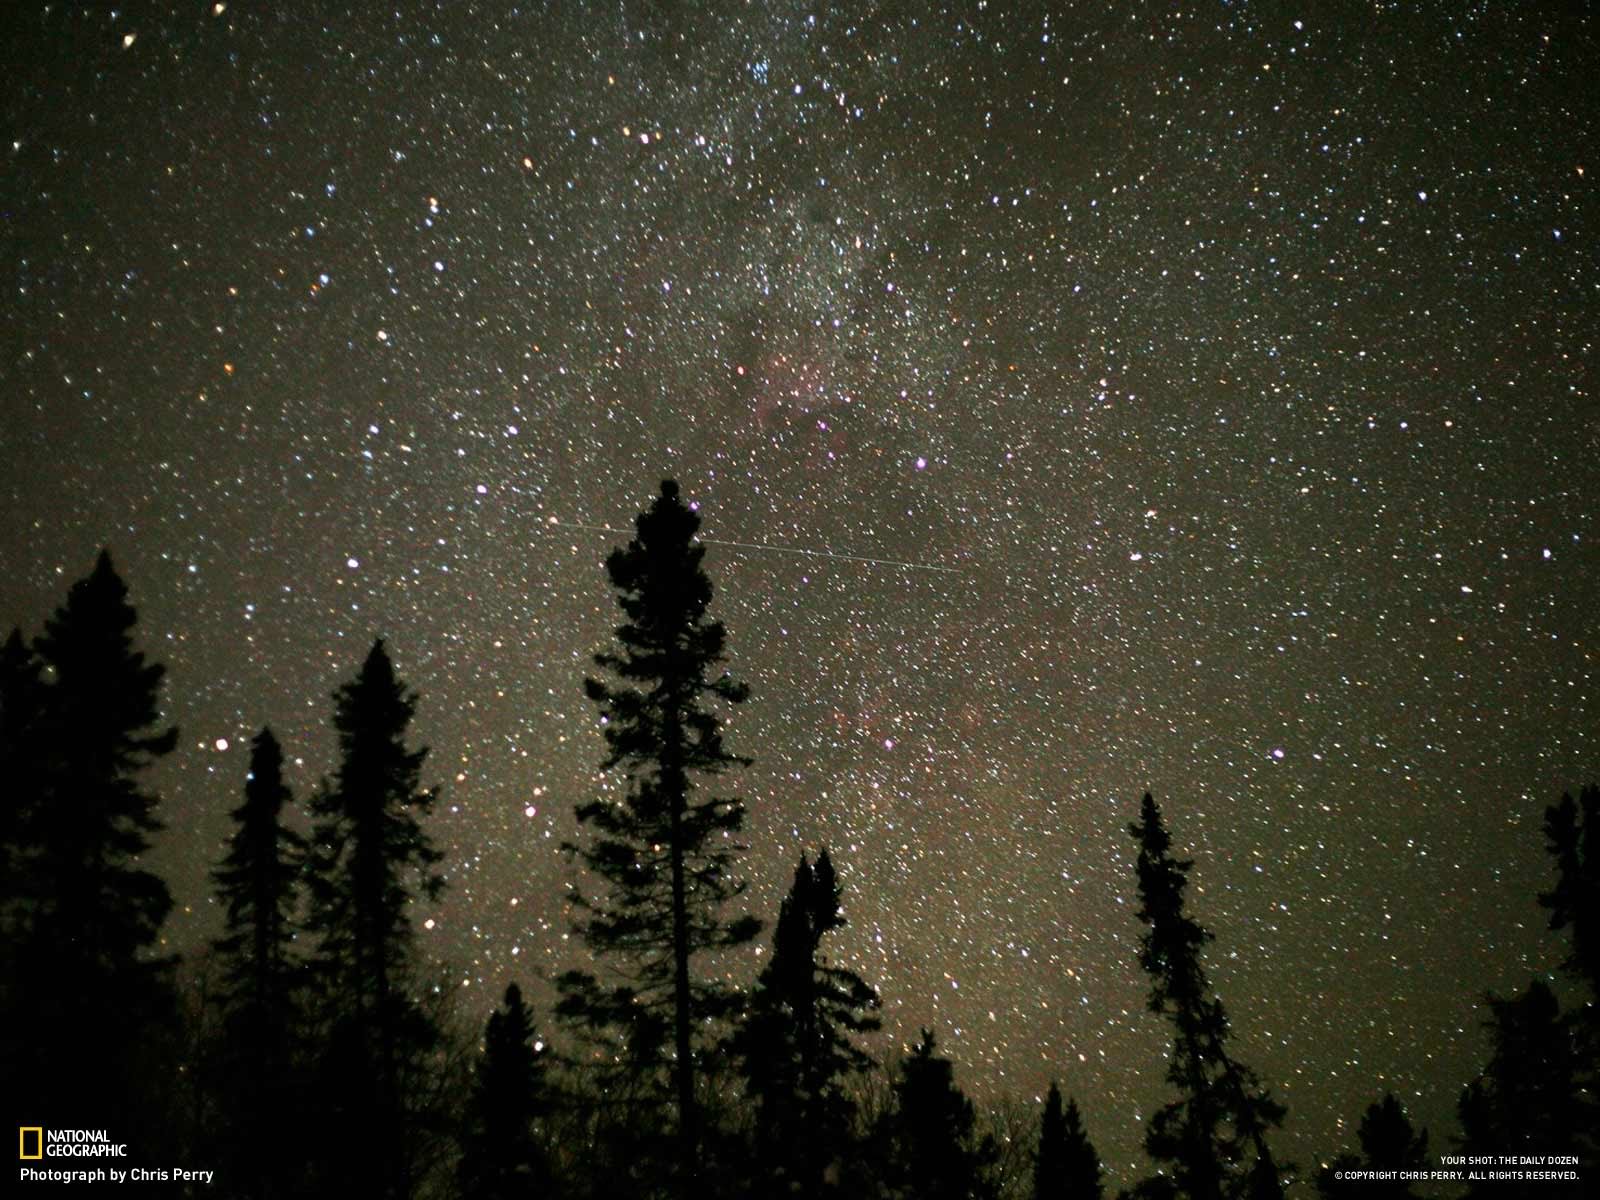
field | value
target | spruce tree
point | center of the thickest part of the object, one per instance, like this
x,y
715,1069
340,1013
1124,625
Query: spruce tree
x,y
795,1047
1388,1143
21,702
1572,834
369,861
1541,1088
501,1153
1067,1167
934,1151
1529,1100
88,992
257,885
664,852
1387,1139
1214,1134
21,724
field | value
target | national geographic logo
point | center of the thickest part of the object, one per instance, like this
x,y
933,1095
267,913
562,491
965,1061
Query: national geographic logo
x,y
34,1142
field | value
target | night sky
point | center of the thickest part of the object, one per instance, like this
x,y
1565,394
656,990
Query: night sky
x,y
1080,400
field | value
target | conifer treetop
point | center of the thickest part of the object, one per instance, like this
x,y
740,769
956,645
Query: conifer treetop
x,y
106,688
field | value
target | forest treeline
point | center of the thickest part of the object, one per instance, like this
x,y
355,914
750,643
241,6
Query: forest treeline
x,y
310,1051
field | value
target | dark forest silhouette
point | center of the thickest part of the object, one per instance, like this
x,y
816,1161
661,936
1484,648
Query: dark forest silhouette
x,y
310,1053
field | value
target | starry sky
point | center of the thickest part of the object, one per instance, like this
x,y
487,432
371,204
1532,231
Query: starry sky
x,y
1080,399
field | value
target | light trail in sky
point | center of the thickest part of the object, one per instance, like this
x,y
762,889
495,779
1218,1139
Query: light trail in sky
x,y
552,523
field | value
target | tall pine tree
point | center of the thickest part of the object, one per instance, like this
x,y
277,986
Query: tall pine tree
x,y
88,991
1214,1135
795,1047
257,884
664,852
1066,1167
21,792
370,860
501,1155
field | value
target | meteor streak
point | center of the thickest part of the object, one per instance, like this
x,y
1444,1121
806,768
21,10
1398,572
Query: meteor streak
x,y
858,558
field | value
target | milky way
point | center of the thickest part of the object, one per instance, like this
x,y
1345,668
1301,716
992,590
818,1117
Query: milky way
x,y
1233,369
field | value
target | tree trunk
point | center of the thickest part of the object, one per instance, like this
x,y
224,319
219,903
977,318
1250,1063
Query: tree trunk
x,y
688,1118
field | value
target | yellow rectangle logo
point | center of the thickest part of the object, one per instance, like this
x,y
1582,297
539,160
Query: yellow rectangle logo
x,y
38,1141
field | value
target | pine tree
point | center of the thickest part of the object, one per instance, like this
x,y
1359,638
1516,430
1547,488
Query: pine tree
x,y
1572,833
1067,1167
90,914
501,1153
1388,1143
794,1047
21,724
934,1151
370,860
1214,1134
1572,836
664,852
1529,1100
1541,1088
21,766
257,884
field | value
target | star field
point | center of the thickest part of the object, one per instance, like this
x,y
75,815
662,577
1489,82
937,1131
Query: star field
x,y
1233,367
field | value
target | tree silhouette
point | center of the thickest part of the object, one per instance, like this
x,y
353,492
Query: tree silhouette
x,y
1067,1167
257,883
934,1153
22,699
87,913
1572,833
1388,1143
1529,1100
501,1154
1214,1133
794,1047
369,860
663,852
22,993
